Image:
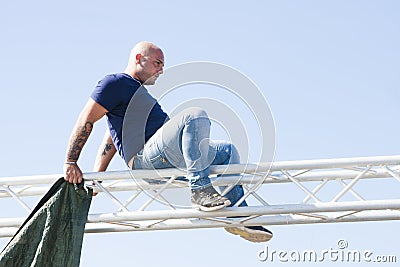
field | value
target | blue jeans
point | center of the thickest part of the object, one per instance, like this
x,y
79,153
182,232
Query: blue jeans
x,y
184,142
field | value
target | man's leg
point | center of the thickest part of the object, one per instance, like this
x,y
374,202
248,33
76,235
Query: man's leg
x,y
226,153
183,142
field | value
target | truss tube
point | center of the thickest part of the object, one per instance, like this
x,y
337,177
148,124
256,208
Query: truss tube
x,y
260,199
11,222
306,177
230,212
114,199
158,193
336,163
304,189
350,190
8,232
16,197
268,220
395,175
248,211
139,184
350,185
216,169
315,190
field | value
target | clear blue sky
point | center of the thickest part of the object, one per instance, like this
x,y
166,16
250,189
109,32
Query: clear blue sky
x,y
329,70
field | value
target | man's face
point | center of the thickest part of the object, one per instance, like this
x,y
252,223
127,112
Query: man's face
x,y
152,66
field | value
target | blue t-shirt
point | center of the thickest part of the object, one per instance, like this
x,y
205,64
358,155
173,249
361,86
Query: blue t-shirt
x,y
133,114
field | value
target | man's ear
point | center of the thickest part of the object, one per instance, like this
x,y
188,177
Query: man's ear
x,y
137,57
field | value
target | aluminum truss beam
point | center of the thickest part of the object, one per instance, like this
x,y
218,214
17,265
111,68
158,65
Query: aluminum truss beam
x,y
147,208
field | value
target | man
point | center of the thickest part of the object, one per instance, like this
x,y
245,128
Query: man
x,y
145,137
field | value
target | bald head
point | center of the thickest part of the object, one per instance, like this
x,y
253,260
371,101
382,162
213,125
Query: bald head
x,y
146,62
144,48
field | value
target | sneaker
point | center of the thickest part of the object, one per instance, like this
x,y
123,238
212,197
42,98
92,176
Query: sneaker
x,y
251,233
208,199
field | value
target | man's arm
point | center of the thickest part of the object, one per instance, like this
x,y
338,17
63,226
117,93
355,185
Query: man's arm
x,y
91,113
105,154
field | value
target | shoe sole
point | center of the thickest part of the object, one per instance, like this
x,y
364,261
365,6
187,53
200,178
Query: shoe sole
x,y
249,234
204,208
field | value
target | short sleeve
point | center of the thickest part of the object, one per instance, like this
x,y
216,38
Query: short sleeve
x,y
106,93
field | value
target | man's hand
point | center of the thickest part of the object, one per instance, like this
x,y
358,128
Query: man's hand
x,y
72,173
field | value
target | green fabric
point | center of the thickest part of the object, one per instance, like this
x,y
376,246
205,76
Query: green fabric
x,y
53,233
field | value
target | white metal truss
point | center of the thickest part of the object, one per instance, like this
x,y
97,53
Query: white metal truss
x,y
326,191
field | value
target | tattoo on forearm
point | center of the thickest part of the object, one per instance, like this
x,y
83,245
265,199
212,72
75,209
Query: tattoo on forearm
x,y
107,148
79,141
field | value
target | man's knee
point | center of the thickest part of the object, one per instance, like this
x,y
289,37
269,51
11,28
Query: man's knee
x,y
196,112
190,114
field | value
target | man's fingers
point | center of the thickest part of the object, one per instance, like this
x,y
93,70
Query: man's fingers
x,y
73,174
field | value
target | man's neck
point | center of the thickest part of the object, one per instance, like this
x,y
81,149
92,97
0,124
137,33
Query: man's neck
x,y
132,74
